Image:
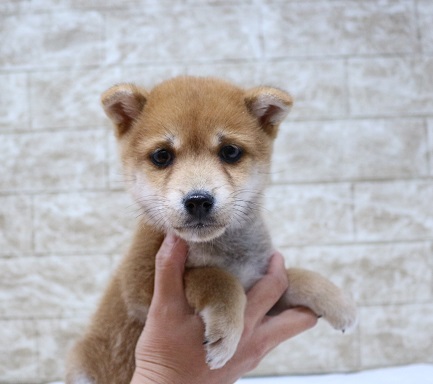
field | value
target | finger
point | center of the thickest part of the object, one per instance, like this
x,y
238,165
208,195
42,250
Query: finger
x,y
289,323
169,269
266,292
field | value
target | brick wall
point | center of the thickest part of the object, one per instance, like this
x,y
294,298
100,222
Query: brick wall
x,y
352,180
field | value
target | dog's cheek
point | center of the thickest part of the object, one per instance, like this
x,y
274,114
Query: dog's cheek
x,y
149,197
249,178
140,189
249,191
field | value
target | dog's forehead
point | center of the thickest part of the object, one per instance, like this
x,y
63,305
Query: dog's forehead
x,y
176,139
196,99
212,137
198,113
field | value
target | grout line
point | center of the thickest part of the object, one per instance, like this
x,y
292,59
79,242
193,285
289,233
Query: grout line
x,y
347,105
240,60
120,252
259,5
107,164
38,345
33,224
378,180
360,242
313,119
353,210
35,131
417,27
359,340
307,183
429,155
29,101
85,315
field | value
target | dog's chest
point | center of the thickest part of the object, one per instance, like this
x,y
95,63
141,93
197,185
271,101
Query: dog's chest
x,y
247,272
248,261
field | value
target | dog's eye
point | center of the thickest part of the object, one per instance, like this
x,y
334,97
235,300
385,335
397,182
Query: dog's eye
x,y
230,153
162,158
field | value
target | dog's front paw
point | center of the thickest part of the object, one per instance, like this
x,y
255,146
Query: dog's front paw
x,y
312,290
340,311
222,335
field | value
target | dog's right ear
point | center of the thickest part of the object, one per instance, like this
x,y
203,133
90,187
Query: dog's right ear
x,y
123,104
270,106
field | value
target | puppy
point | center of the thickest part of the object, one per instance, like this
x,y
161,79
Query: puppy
x,y
196,156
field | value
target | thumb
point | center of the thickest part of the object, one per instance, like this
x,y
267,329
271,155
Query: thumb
x,y
169,269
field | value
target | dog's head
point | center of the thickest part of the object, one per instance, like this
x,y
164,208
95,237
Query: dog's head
x,y
196,151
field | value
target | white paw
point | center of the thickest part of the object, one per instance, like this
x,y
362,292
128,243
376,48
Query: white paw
x,y
222,336
341,313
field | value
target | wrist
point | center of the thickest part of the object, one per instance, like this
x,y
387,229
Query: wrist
x,y
142,377
156,375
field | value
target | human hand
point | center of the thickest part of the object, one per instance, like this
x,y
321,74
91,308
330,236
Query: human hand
x,y
170,349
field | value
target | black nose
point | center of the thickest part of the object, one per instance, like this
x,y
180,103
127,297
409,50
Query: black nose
x,y
198,203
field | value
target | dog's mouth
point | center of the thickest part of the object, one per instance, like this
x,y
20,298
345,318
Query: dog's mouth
x,y
200,231
200,226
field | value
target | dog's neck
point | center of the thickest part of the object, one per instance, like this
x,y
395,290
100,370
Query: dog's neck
x,y
244,251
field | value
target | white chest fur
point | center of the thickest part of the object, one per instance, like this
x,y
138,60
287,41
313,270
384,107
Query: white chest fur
x,y
245,254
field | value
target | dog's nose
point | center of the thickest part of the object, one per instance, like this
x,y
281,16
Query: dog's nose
x,y
198,203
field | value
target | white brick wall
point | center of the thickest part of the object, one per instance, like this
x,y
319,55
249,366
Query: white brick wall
x,y
352,179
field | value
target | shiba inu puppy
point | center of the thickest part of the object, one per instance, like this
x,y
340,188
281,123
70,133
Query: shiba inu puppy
x,y
196,157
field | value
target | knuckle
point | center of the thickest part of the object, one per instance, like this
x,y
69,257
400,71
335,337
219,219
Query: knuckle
x,y
252,364
279,284
309,318
258,351
249,328
311,321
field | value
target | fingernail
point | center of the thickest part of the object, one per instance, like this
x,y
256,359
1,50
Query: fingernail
x,y
172,243
170,239
167,245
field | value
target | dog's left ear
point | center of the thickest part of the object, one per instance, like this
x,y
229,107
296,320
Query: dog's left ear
x,y
270,106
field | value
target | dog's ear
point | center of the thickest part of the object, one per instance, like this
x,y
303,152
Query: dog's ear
x,y
123,103
270,106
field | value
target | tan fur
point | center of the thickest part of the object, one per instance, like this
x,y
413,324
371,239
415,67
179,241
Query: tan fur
x,y
194,120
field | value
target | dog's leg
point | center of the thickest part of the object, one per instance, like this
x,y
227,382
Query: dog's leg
x,y
219,298
105,355
312,290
